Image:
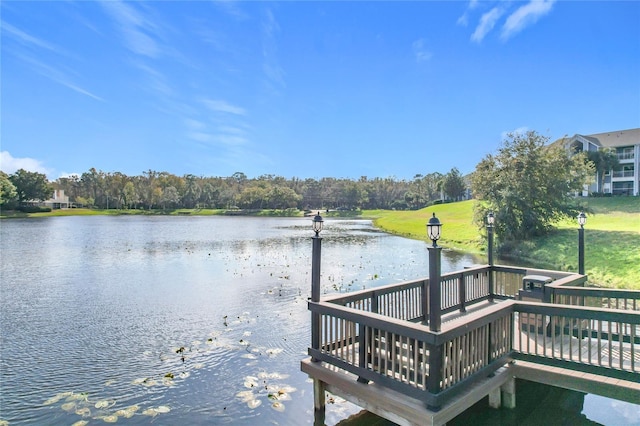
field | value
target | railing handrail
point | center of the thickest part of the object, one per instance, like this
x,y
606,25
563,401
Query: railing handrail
x,y
394,287
342,299
598,292
372,319
581,312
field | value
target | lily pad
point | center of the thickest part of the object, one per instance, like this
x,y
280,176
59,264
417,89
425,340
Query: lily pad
x,y
163,409
150,412
78,423
246,396
83,412
278,406
52,400
128,412
254,403
110,419
105,403
69,406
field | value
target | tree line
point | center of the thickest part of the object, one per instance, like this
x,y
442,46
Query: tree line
x,y
163,190
528,185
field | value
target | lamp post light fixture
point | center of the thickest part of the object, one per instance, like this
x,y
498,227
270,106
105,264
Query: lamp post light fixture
x,y
317,224
434,228
582,220
316,248
434,304
490,221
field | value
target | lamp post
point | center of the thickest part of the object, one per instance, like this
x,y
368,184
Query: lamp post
x,y
318,385
490,221
315,280
582,219
434,228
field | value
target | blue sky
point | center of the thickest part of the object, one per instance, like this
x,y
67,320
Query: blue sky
x,y
306,89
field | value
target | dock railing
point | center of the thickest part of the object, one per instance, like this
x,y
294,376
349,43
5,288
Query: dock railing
x,y
381,334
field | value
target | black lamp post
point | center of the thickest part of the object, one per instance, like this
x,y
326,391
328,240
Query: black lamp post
x,y
434,227
315,280
490,221
582,219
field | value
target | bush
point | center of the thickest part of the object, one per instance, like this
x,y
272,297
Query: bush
x,y
34,209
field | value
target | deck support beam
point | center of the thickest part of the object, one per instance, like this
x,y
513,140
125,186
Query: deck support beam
x,y
495,401
509,393
319,403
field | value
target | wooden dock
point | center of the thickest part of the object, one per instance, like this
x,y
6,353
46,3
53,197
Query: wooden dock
x,y
376,349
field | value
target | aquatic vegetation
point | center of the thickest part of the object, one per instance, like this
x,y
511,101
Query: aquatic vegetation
x,y
260,387
68,406
254,403
150,412
274,351
104,403
278,406
78,423
127,412
83,412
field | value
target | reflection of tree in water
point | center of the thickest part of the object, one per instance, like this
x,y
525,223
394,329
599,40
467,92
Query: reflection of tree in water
x,y
459,260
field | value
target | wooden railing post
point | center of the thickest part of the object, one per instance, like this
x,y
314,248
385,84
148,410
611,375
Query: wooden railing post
x,y
315,291
435,300
363,351
462,292
435,370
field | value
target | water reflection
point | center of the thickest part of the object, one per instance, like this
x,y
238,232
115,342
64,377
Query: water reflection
x,y
170,318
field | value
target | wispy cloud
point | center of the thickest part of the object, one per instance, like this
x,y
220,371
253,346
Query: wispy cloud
x,y
225,125
28,39
487,22
218,105
420,50
524,16
36,46
135,28
231,8
57,75
275,75
10,164
464,18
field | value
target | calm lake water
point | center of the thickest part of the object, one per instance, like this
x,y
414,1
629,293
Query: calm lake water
x,y
182,320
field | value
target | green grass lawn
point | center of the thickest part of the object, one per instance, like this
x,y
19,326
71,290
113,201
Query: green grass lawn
x,y
612,237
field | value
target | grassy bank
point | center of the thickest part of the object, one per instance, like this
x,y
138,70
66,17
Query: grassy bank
x,y
612,237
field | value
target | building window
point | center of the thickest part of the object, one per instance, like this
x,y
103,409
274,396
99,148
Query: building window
x,y
622,188
625,171
625,153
